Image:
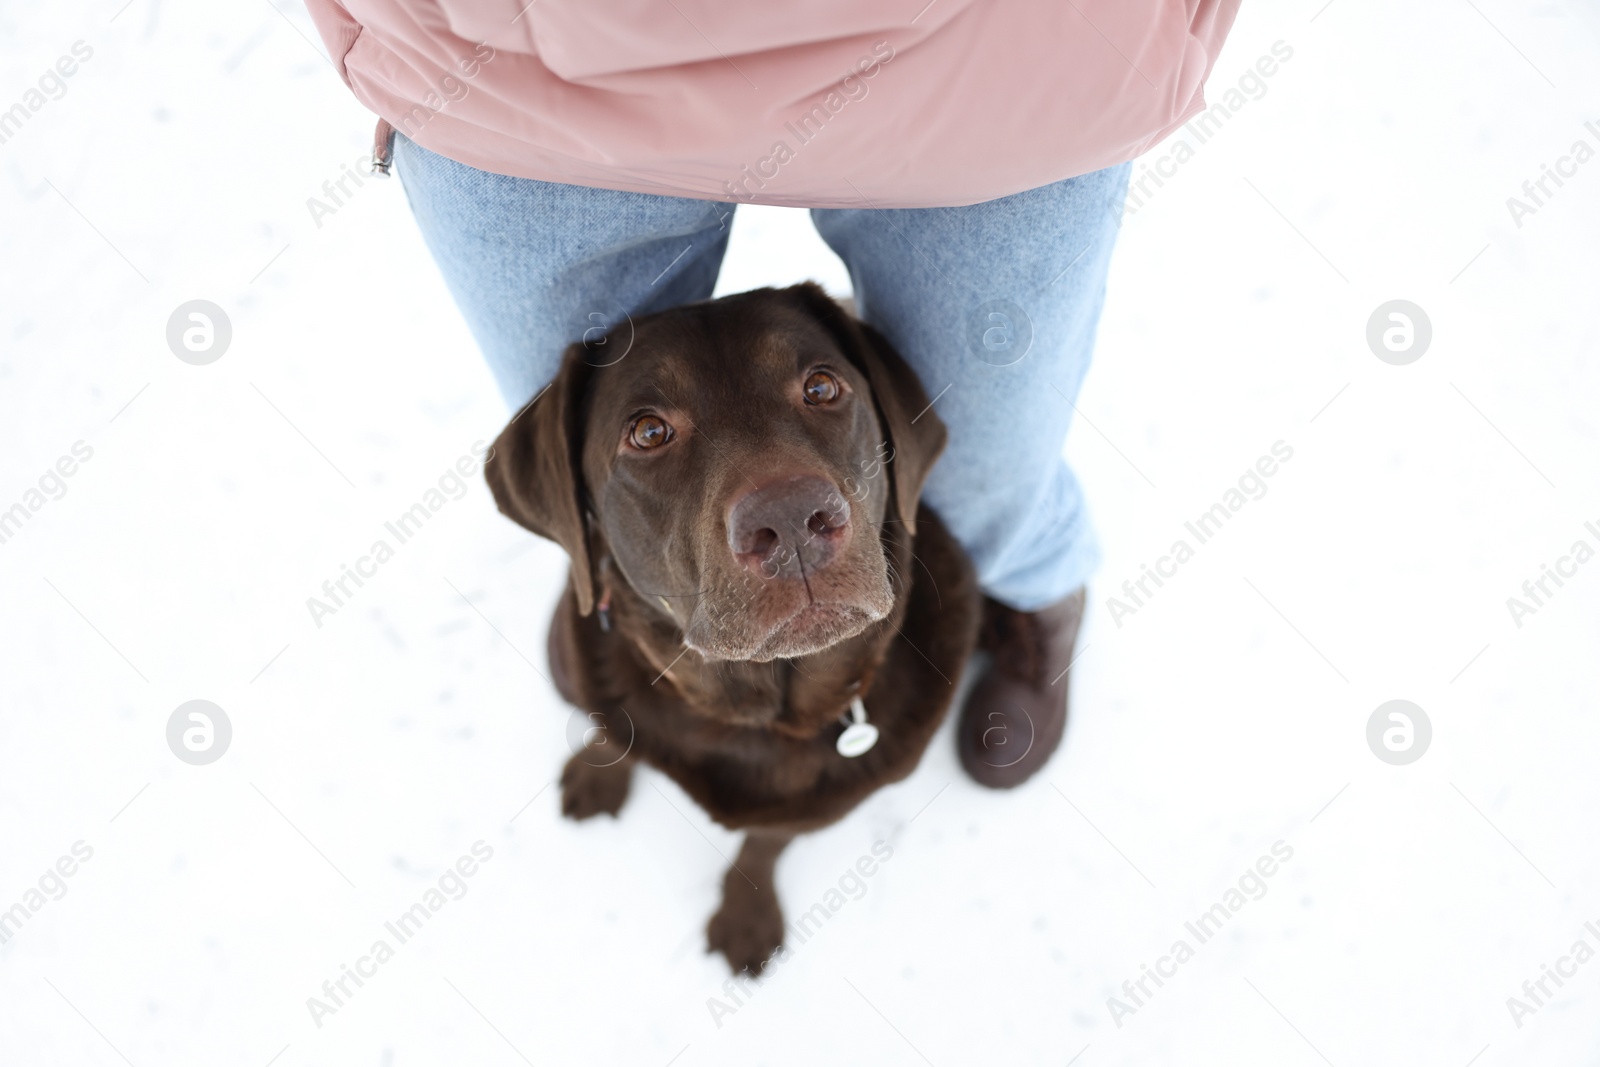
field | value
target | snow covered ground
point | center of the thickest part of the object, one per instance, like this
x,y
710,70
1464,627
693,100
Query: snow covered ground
x,y
1222,721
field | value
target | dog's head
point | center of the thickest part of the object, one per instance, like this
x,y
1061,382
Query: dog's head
x,y
737,463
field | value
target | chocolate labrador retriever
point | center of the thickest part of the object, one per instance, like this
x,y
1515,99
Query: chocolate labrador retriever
x,y
758,607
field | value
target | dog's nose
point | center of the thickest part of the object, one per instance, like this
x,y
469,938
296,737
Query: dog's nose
x,y
790,528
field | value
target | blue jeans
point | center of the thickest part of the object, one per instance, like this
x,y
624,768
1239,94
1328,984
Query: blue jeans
x,y
994,305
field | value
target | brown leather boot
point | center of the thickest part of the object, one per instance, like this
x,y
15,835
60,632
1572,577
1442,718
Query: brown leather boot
x,y
1016,713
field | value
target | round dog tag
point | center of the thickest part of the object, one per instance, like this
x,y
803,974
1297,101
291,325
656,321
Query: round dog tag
x,y
860,735
858,738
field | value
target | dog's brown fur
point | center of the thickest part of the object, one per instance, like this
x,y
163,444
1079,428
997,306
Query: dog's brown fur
x,y
751,738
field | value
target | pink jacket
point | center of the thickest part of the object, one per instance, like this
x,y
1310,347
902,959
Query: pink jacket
x,y
828,103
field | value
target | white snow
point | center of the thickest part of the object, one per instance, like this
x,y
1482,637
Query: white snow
x,y
1227,714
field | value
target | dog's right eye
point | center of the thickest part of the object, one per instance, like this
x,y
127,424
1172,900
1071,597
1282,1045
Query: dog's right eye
x,y
649,431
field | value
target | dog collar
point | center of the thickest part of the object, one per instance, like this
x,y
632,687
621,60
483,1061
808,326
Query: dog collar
x,y
860,735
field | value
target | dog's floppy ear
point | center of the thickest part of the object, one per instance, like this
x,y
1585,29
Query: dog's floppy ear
x,y
535,470
916,433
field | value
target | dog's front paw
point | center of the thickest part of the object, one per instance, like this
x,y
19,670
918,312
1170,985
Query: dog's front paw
x,y
748,928
589,789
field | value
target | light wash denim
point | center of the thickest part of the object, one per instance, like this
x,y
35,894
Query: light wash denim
x,y
994,305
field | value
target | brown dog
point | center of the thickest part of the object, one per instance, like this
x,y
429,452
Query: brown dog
x,y
738,493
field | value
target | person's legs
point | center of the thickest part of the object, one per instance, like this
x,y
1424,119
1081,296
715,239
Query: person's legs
x,y
995,306
537,265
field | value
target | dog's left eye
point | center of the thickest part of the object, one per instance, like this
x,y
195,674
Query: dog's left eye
x,y
821,388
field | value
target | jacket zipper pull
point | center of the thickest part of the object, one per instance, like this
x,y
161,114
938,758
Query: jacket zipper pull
x,y
382,149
